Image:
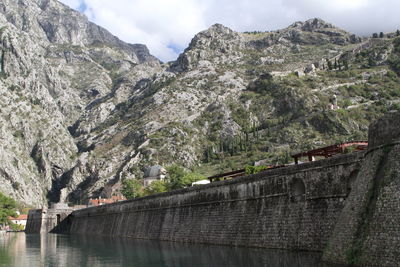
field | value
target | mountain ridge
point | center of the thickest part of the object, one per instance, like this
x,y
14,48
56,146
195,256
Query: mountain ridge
x,y
82,110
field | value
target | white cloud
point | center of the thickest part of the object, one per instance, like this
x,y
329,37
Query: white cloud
x,y
159,24
72,3
167,25
358,16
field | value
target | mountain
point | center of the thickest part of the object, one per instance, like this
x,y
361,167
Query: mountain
x,y
81,110
54,64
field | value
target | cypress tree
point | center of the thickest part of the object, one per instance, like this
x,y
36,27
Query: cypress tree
x,y
329,65
236,145
371,61
258,135
346,64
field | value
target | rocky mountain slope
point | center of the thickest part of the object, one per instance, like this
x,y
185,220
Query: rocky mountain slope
x,y
81,110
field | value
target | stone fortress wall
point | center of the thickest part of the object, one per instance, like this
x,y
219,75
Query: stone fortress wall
x,y
347,207
45,220
367,232
293,208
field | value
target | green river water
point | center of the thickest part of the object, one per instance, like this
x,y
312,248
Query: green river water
x,y
20,249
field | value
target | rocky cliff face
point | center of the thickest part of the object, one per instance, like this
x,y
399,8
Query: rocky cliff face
x,y
81,109
54,64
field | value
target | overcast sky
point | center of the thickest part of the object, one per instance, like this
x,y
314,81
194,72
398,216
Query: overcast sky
x,y
167,26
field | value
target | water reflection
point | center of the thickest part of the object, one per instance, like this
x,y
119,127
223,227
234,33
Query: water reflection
x,y
60,250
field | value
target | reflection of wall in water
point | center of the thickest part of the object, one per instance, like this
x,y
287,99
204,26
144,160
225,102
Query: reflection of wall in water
x,y
129,251
62,250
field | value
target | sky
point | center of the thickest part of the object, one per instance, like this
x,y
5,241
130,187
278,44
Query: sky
x,y
167,26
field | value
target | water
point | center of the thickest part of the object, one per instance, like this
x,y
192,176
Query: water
x,y
19,249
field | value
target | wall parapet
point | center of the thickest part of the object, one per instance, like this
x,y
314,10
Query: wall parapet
x,y
343,160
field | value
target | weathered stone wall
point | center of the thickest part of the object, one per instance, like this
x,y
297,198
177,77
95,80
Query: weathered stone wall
x,y
45,220
294,207
347,206
34,222
368,229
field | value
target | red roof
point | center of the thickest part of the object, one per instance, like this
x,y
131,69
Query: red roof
x,y
19,218
101,201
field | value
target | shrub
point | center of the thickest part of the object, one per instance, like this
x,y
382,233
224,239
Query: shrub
x,y
156,187
132,188
254,169
175,176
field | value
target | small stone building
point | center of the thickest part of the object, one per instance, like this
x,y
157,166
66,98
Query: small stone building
x,y
154,173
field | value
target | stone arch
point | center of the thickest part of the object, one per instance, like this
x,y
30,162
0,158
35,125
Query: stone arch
x,y
351,180
297,190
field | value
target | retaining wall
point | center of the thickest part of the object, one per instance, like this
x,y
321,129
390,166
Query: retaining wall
x,y
293,208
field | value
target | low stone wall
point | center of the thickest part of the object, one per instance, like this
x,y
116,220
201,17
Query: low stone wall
x,y
293,208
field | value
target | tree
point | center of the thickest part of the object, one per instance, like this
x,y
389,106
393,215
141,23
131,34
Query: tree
x,y
398,33
264,83
381,35
156,187
175,176
330,67
191,177
132,188
179,178
346,64
371,61
8,207
374,35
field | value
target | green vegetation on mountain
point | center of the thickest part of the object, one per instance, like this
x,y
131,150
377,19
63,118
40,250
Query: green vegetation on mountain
x,y
311,98
82,111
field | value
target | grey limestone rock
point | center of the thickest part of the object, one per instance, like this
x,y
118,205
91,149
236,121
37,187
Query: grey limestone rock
x,y
80,110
